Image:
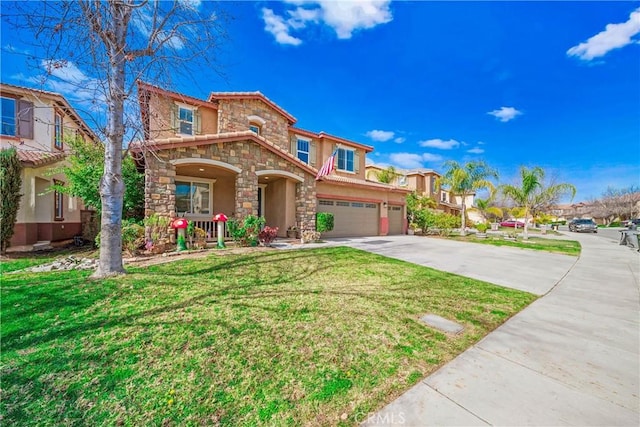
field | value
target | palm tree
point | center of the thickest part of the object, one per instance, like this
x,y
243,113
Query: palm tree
x,y
533,194
464,180
486,209
387,175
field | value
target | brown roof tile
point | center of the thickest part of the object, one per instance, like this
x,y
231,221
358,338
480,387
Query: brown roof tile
x,y
39,158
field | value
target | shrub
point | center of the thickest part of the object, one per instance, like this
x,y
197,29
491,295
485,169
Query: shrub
x,y
481,227
245,232
615,224
268,235
324,222
156,228
132,237
10,182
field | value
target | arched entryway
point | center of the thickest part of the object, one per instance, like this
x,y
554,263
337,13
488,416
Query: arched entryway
x,y
277,198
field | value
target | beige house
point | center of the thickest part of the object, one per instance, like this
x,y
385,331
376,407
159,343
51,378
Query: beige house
x,y
423,181
36,123
241,154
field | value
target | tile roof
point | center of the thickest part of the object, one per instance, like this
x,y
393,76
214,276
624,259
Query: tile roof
x,y
175,95
33,158
186,141
252,95
361,182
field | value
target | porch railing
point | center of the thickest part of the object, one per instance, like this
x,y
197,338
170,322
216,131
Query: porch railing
x,y
210,228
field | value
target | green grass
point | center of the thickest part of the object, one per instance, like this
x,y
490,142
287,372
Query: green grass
x,y
568,247
307,337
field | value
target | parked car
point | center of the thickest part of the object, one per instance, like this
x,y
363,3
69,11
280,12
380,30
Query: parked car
x,y
512,223
583,225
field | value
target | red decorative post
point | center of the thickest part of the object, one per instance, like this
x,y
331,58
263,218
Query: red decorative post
x,y
220,219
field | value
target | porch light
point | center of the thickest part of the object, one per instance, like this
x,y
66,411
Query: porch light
x,y
180,224
220,219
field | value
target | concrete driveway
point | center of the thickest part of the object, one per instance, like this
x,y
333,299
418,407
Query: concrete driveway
x,y
570,358
527,270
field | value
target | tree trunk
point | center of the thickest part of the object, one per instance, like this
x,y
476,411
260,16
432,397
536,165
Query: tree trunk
x,y
463,221
112,184
525,234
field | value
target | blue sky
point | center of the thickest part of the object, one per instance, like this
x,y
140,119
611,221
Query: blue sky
x,y
545,84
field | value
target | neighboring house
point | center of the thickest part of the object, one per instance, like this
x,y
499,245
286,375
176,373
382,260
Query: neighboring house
x,y
36,122
423,182
240,154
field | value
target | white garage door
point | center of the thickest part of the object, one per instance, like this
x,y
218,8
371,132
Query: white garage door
x,y
351,219
395,219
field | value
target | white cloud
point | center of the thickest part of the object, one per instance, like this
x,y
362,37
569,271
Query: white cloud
x,y
277,26
344,17
613,37
380,135
399,140
440,144
67,79
413,160
476,150
504,114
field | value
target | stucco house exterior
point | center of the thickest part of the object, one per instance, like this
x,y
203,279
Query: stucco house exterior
x,y
239,153
423,182
36,123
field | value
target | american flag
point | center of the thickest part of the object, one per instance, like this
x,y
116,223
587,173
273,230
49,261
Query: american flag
x,y
328,166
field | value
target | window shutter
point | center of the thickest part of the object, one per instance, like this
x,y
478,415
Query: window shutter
x,y
356,162
294,145
197,126
174,118
24,119
312,153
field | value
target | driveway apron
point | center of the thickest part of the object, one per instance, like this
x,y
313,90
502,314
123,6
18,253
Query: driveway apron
x,y
570,358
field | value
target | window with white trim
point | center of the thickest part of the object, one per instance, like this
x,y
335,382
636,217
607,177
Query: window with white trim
x,y
185,120
303,150
402,180
193,197
58,141
345,160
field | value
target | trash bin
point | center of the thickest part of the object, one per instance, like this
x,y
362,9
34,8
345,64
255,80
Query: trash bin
x,y
630,238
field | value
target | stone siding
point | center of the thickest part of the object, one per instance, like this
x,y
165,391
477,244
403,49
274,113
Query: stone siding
x,y
246,155
233,117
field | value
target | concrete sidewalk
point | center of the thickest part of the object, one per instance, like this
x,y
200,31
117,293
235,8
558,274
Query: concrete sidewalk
x,y
570,358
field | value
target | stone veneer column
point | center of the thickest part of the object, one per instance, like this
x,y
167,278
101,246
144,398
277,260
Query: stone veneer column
x,y
160,189
306,203
246,193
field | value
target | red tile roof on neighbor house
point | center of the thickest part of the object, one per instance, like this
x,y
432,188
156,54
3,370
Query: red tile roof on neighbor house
x,y
214,96
337,179
39,158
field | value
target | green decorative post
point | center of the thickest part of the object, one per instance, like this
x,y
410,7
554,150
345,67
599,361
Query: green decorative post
x,y
220,219
180,224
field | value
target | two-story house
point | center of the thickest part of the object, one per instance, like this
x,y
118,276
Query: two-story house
x,y
424,182
239,153
36,123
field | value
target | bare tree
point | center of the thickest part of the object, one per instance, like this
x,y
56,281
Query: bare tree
x,y
618,203
120,42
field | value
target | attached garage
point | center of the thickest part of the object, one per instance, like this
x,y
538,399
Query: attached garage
x,y
351,218
395,219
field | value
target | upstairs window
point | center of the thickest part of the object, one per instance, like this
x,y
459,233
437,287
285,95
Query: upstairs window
x,y
185,118
402,180
58,138
255,128
303,150
346,160
8,116
17,117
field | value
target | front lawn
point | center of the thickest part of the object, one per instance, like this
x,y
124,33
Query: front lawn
x,y
567,247
306,337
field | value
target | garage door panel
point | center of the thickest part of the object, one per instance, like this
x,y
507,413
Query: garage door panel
x,y
396,219
351,218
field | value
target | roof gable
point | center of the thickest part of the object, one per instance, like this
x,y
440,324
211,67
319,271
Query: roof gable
x,y
216,96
